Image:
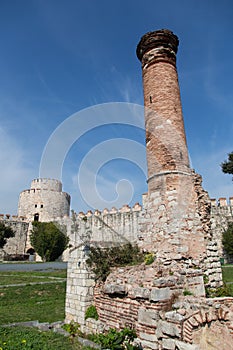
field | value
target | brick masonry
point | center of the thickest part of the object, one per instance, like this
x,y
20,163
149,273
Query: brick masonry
x,y
165,302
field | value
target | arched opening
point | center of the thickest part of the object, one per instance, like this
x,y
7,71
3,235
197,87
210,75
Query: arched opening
x,y
31,251
36,217
32,254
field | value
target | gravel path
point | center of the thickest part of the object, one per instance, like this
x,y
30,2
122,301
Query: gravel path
x,y
48,266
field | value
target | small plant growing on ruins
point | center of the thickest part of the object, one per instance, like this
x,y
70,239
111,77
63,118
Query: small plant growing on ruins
x,y
206,279
187,292
149,258
91,312
100,260
115,340
72,328
223,291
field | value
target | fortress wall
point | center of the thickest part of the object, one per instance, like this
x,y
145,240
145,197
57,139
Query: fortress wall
x,y
221,215
109,226
17,244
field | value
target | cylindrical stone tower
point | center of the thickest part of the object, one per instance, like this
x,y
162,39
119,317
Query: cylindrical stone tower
x,y
165,136
44,201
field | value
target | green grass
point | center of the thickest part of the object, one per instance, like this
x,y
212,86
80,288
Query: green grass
x,y
7,279
227,272
55,273
42,302
45,303
16,338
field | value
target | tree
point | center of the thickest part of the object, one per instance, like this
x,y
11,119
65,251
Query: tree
x,y
227,165
227,239
48,240
5,233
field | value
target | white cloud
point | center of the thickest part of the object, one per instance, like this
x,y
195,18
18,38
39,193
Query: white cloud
x,y
14,175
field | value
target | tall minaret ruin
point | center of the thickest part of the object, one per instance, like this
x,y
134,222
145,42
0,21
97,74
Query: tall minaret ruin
x,y
165,136
176,223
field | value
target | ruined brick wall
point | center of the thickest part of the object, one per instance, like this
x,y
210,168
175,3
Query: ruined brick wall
x,y
153,302
175,224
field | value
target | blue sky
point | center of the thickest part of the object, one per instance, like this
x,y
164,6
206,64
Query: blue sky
x,y
59,57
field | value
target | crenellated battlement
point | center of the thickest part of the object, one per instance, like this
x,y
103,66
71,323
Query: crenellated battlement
x,y
124,209
223,206
9,217
222,202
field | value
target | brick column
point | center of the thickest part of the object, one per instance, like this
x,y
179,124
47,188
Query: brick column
x,y
165,136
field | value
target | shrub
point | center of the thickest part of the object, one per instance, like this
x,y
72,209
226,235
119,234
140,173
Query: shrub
x,y
48,240
100,260
72,328
5,233
227,239
115,340
91,312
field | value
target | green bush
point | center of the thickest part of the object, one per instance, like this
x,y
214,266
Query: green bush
x,y
91,312
5,233
115,340
72,328
48,240
227,239
100,260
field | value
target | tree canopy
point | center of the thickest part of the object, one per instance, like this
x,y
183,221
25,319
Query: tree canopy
x,y
5,233
227,239
48,240
227,165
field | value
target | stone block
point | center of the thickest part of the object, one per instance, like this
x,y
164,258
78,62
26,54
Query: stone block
x,y
148,317
168,328
159,294
149,345
185,346
168,344
114,289
174,316
143,293
149,337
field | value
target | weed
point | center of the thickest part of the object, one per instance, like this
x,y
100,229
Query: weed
x,y
187,292
149,258
115,340
91,312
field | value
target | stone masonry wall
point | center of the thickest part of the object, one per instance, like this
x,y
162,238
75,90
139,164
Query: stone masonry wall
x,y
125,224
44,199
17,244
221,215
